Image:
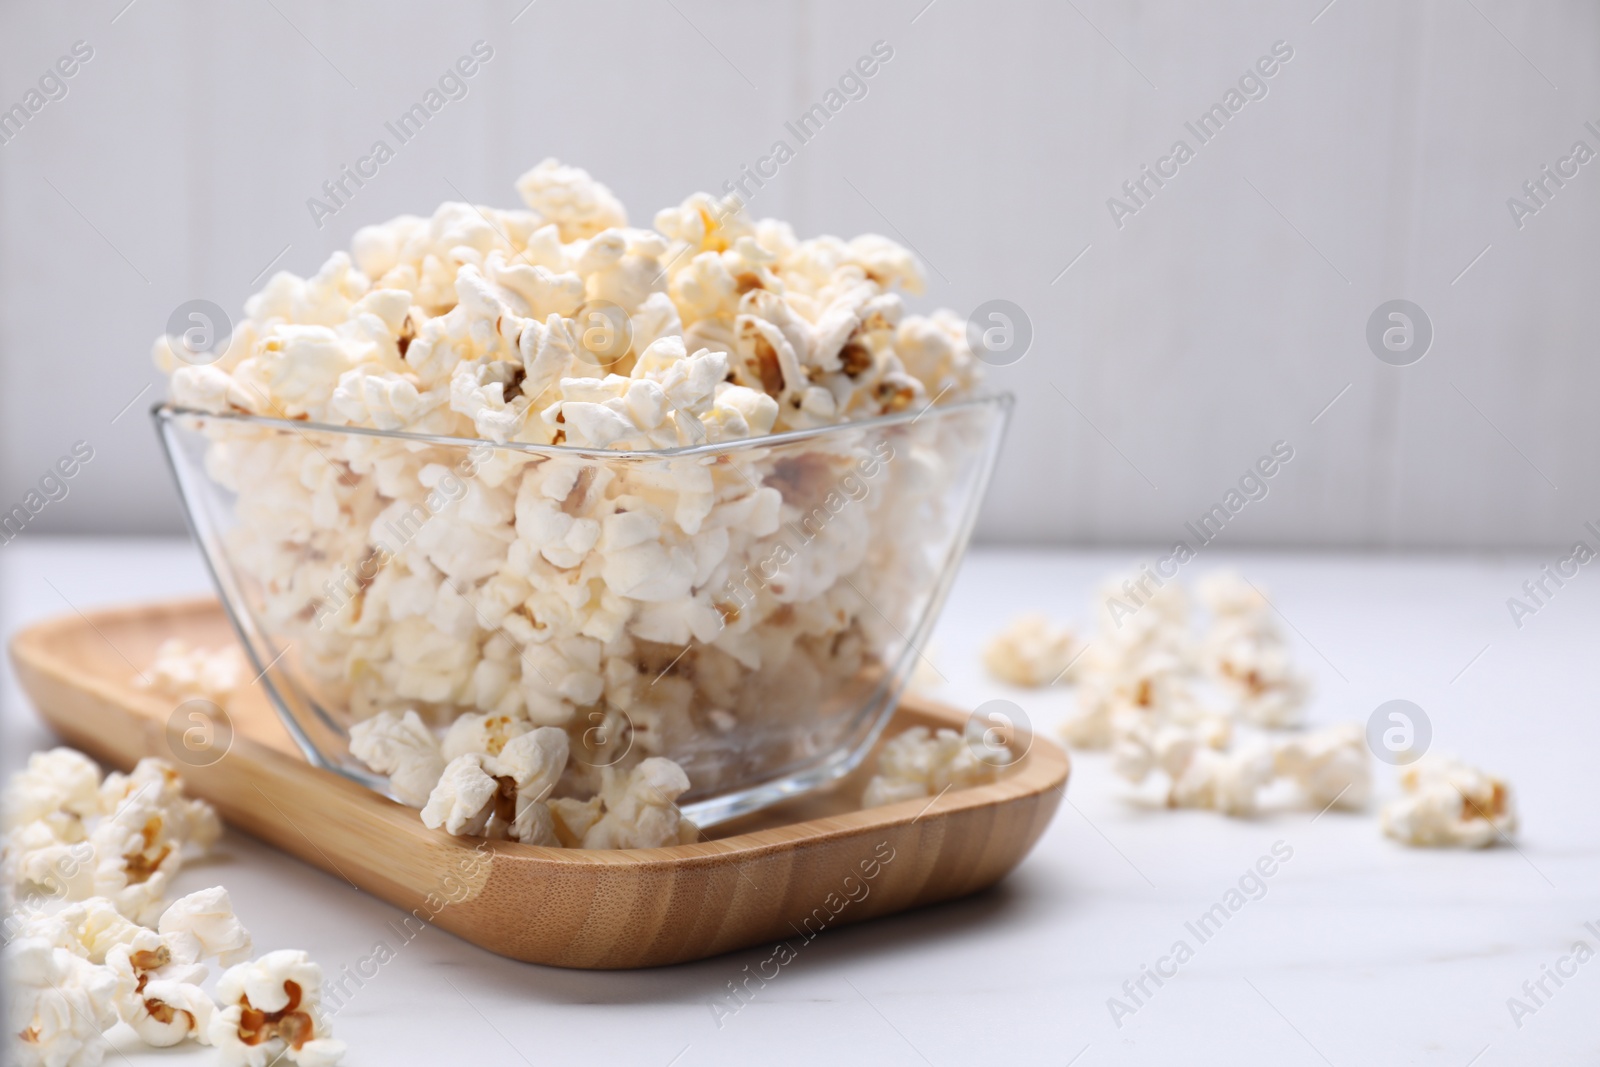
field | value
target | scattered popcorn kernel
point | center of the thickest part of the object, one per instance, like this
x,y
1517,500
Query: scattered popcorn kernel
x,y
1227,782
103,945
1332,766
1448,803
1031,652
271,1007
58,1005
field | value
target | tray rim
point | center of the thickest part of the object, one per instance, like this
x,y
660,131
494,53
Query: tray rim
x,y
1044,767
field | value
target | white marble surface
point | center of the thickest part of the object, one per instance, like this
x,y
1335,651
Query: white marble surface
x,y
1360,951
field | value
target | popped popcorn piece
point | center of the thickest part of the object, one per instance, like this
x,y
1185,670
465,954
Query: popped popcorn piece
x,y
58,1005
75,966
1227,782
1332,766
202,925
403,748
1143,743
915,764
184,672
271,1008
533,763
1247,653
165,1012
1154,679
126,844
60,781
639,808
463,801
1448,803
567,196
1031,652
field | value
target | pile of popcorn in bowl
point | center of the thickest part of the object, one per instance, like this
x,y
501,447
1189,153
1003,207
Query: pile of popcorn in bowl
x,y
555,527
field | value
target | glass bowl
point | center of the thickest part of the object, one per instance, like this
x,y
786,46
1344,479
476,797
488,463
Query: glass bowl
x,y
750,610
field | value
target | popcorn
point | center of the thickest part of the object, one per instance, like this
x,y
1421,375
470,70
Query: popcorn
x,y
74,967
166,1012
432,588
915,764
578,205
58,1005
202,926
1223,781
404,749
1031,652
184,672
60,782
1247,654
125,844
271,1008
1448,803
639,808
1332,766
463,800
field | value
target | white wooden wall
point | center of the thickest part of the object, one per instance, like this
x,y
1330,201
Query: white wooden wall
x,y
1221,318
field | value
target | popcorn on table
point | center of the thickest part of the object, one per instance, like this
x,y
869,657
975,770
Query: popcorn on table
x,y
543,589
77,964
915,764
1031,652
1331,766
1247,653
71,836
1448,803
1166,699
271,1009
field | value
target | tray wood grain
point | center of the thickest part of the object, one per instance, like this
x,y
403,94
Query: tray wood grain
x,y
759,879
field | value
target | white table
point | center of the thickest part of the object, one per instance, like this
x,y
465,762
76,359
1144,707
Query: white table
x,y
1360,951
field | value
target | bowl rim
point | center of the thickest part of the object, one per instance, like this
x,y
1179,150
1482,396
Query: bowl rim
x,y
165,412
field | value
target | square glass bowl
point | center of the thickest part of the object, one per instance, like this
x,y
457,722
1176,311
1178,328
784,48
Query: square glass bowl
x,y
750,609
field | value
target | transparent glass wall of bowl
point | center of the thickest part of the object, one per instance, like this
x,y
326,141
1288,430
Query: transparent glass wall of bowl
x,y
750,610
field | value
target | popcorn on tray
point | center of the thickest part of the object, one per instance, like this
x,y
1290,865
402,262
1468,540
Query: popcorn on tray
x,y
184,672
76,964
1448,803
431,589
915,764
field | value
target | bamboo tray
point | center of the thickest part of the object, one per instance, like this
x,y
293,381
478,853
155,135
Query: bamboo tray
x,y
811,863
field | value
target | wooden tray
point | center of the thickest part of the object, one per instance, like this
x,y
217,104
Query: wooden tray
x,y
811,863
